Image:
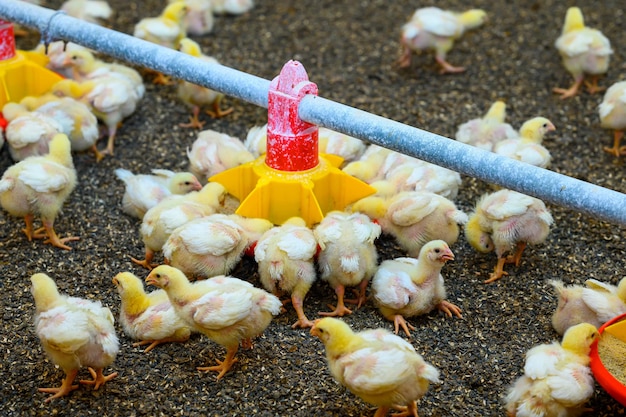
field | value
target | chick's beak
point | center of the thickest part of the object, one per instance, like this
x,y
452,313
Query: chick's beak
x,y
197,186
314,331
115,281
150,280
447,255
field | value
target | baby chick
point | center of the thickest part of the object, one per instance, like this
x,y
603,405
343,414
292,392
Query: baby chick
x,y
40,185
612,111
407,287
527,147
595,302
74,332
285,256
213,152
557,380
414,218
348,256
199,18
232,6
197,96
172,212
377,366
585,51
145,191
484,132
433,28
92,11
149,318
506,219
421,176
212,245
227,310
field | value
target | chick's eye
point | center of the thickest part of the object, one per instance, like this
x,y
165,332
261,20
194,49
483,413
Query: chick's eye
x,y
158,275
187,183
545,125
437,250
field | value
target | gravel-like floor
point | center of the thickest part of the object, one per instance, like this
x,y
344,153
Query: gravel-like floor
x,y
348,49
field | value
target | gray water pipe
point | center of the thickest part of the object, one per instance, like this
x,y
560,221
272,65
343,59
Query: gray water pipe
x,y
550,186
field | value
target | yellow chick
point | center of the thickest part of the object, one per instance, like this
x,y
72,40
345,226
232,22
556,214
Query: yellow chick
x,y
211,245
506,220
199,18
612,111
285,257
92,11
74,332
174,211
56,56
197,96
377,366
348,256
414,218
557,381
527,147
145,191
227,310
213,152
408,287
585,51
149,318
436,29
39,185
167,29
596,302
484,132
420,176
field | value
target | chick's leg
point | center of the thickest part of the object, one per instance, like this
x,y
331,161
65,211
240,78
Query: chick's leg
x,y
341,309
517,256
193,119
405,59
303,322
223,366
408,411
446,67
217,111
617,139
52,237
361,297
154,343
28,230
65,388
592,85
449,308
146,262
498,272
382,411
572,91
98,378
399,321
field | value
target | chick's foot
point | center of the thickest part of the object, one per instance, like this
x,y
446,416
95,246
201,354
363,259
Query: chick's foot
x,y
65,388
98,378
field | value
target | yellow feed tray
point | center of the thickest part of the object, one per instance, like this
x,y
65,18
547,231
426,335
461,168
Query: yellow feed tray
x,y
618,330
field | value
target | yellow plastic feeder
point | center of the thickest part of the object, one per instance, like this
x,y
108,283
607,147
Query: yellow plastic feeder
x,y
292,178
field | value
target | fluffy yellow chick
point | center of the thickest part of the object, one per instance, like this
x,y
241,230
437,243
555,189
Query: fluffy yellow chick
x,y
149,318
74,332
408,287
504,221
484,132
348,256
227,310
28,133
596,302
213,152
92,11
414,218
377,366
527,147
585,51
145,191
172,212
197,96
612,112
199,18
212,245
421,176
39,185
436,29
557,381
56,56
285,257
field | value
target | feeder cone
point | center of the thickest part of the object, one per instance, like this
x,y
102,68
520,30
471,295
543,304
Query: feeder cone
x,y
618,330
22,73
292,178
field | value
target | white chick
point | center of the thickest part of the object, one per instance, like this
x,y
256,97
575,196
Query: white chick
x,y
167,29
484,132
348,256
527,147
585,51
92,11
557,380
421,176
172,212
145,191
612,111
57,54
39,185
74,332
285,256
199,18
212,245
232,6
433,28
256,140
414,218
408,287
149,318
227,310
213,152
197,96
395,375
596,303
505,221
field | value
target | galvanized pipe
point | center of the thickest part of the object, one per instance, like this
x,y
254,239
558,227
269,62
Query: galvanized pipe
x,y
547,185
